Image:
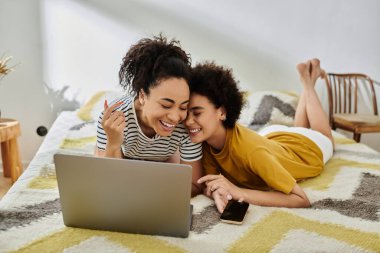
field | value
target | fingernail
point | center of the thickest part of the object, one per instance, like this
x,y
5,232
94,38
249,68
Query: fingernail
x,y
105,103
199,181
229,197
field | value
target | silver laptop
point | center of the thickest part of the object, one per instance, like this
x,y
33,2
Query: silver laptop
x,y
124,195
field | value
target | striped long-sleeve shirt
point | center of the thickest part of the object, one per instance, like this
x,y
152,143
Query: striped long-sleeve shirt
x,y
137,145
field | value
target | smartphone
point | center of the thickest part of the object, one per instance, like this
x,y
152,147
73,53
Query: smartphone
x,y
234,212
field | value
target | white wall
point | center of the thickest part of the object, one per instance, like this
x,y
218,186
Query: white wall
x,y
22,94
69,49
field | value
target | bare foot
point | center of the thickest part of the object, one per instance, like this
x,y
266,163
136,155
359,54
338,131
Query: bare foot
x,y
315,69
310,71
304,71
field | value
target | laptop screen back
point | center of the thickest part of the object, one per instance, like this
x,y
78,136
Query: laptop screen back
x,y
124,195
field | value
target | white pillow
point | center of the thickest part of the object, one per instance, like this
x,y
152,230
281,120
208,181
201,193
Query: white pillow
x,y
265,108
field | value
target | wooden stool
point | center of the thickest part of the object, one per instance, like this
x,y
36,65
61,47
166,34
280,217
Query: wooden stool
x,y
9,132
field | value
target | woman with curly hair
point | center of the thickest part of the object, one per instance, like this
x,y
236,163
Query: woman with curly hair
x,y
259,168
148,124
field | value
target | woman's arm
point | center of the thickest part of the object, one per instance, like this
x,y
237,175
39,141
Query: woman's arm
x,y
197,172
218,185
196,188
111,153
175,158
296,198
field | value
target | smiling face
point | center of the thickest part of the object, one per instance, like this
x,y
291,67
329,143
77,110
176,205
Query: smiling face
x,y
164,107
205,121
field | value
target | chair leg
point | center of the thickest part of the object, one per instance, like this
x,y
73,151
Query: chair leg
x,y
357,137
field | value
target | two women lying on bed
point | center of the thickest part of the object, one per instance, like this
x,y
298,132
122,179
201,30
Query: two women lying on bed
x,y
239,162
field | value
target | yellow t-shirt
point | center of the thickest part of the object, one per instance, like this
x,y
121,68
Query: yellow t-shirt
x,y
253,161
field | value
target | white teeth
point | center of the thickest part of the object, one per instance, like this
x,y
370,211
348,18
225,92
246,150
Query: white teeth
x,y
167,124
195,130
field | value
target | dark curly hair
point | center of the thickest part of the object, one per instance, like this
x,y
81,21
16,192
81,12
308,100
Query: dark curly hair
x,y
219,86
152,60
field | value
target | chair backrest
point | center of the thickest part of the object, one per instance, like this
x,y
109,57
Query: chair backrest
x,y
343,92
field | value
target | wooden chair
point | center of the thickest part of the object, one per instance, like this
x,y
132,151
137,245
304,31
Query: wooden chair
x,y
343,95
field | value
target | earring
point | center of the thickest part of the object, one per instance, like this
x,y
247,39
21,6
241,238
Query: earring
x,y
223,118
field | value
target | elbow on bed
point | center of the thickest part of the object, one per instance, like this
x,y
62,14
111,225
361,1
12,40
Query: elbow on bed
x,y
304,203
300,202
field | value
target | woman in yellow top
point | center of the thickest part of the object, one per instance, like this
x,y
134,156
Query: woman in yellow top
x,y
261,168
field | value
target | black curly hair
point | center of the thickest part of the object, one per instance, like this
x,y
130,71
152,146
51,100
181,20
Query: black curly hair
x,y
219,86
151,60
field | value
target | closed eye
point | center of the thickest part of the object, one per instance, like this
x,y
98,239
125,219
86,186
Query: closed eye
x,y
165,106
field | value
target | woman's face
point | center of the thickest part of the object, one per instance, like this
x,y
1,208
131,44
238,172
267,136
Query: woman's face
x,y
165,106
204,120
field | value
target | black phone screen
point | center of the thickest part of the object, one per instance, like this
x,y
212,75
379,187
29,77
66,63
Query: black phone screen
x,y
234,212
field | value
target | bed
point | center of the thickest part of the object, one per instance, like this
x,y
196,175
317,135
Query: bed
x,y
344,217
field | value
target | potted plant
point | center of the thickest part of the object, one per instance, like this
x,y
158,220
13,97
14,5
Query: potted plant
x,y
4,68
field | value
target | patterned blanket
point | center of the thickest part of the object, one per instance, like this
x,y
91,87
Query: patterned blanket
x,y
344,217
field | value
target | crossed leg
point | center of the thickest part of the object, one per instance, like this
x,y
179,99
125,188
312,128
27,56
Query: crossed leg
x,y
310,113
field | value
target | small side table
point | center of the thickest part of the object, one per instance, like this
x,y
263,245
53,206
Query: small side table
x,y
9,132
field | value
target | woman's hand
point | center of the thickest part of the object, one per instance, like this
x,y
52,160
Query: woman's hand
x,y
221,189
221,198
113,123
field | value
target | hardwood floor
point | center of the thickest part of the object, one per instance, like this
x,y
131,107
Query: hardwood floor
x,y
5,184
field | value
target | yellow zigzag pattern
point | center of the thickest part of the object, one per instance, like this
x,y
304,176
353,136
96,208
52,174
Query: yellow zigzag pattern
x,y
43,183
68,143
339,140
323,181
267,233
69,237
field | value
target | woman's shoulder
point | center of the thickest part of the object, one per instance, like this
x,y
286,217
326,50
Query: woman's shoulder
x,y
244,131
126,106
245,139
126,99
